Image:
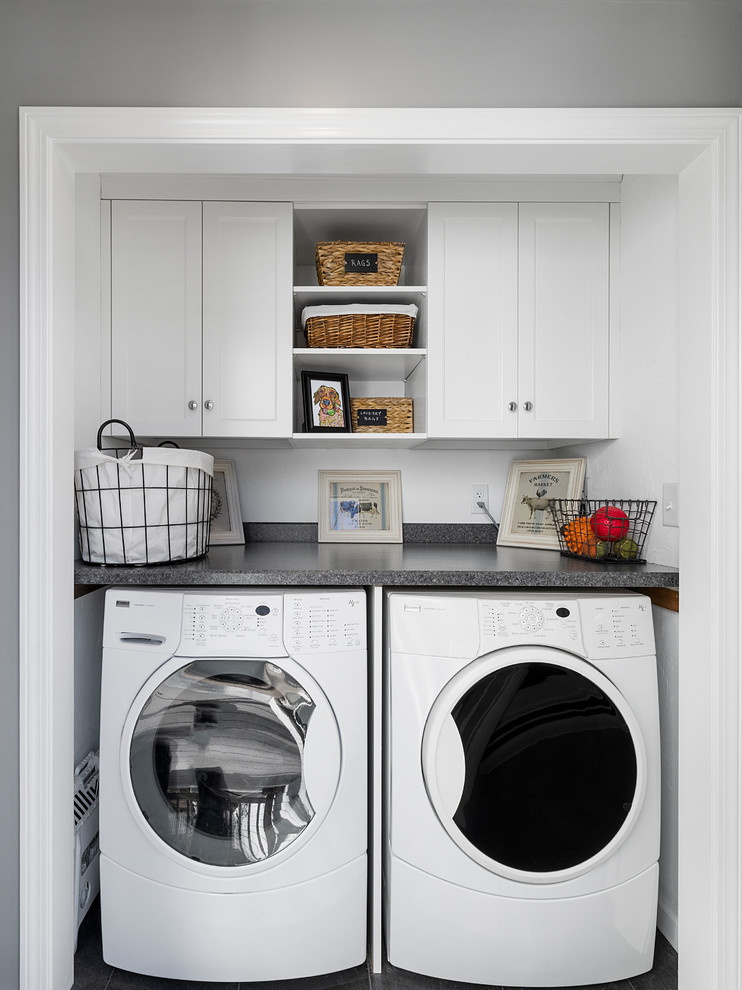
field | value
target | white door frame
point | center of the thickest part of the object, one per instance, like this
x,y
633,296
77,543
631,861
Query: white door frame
x,y
702,147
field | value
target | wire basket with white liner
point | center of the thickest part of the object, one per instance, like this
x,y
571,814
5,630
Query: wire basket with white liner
x,y
606,530
142,505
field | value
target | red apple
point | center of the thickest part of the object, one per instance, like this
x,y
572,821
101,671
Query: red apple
x,y
609,523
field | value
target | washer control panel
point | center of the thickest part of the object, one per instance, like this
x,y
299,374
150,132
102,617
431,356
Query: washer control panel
x,y
594,627
321,623
273,624
251,625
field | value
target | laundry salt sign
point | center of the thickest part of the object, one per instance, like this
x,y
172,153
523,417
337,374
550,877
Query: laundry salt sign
x,y
371,417
361,264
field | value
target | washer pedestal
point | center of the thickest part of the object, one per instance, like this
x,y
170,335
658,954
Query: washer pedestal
x,y
511,941
304,930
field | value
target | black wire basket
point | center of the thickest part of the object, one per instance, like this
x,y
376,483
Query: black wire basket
x,y
142,505
610,531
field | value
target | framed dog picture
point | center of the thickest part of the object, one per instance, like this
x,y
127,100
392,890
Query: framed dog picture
x,y
360,507
326,402
527,519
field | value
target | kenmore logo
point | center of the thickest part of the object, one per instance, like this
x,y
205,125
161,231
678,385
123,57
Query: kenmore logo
x,y
121,604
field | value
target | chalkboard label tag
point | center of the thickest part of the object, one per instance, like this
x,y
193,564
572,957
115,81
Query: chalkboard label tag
x,y
371,417
361,264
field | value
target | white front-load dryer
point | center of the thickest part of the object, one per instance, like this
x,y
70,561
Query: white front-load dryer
x,y
233,782
522,796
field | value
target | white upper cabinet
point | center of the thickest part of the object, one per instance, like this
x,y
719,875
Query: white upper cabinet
x,y
472,318
512,341
247,319
156,317
518,320
563,314
201,318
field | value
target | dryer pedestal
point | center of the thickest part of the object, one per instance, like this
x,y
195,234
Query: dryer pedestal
x,y
489,939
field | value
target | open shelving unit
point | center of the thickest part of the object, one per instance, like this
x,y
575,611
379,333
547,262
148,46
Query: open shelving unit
x,y
383,372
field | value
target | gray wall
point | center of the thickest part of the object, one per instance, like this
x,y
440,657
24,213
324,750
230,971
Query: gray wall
x,y
314,53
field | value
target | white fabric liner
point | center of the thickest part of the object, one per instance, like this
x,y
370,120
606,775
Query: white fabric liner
x,y
352,308
147,510
173,456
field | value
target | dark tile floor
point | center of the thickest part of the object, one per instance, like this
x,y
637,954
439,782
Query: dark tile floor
x,y
92,973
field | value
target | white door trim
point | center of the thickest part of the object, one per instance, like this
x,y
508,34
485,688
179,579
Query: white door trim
x,y
701,147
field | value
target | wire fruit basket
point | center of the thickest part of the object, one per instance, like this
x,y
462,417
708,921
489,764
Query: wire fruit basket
x,y
607,530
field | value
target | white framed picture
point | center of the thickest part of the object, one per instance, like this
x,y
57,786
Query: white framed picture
x,y
527,517
226,515
360,507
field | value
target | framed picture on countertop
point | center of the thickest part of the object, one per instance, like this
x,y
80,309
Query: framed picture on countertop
x,y
527,518
360,507
226,515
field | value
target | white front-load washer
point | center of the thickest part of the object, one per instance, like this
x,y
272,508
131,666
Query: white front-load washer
x,y
522,795
233,782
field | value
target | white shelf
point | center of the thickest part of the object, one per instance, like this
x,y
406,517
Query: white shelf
x,y
307,295
366,364
368,440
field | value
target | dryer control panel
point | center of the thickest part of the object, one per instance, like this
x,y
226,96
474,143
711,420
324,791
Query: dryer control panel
x,y
604,627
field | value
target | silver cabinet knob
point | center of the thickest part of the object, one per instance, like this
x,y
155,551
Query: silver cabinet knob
x,y
512,406
528,406
193,404
208,404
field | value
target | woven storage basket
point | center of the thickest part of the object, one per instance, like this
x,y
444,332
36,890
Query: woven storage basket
x,y
394,415
384,259
360,330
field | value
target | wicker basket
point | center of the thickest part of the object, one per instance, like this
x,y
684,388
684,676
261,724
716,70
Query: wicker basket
x,y
360,330
389,415
609,531
358,262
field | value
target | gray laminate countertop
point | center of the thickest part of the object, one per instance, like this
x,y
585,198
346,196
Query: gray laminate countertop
x,y
447,565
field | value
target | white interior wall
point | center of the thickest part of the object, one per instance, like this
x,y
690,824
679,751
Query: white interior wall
x,y
281,485
666,636
646,453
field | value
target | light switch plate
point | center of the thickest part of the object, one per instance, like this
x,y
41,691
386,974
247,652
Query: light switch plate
x,y
670,504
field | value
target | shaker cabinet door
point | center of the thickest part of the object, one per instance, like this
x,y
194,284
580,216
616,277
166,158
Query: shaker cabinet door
x,y
472,319
563,304
156,317
247,319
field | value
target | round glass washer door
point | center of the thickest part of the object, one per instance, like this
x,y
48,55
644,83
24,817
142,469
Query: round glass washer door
x,y
231,761
534,763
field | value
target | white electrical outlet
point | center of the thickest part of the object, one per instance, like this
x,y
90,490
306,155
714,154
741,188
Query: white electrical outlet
x,y
670,504
479,493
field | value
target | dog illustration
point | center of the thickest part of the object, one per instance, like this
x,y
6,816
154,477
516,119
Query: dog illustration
x,y
330,410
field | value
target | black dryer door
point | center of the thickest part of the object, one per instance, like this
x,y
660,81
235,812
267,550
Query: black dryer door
x,y
534,764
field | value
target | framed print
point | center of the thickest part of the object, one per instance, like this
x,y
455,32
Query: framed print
x,y
226,515
527,518
326,399
360,507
